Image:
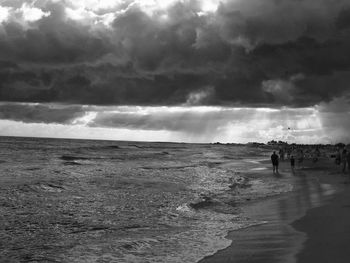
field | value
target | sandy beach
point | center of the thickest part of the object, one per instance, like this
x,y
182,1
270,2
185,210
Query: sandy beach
x,y
309,224
327,228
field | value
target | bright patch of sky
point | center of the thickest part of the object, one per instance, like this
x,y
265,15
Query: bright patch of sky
x,y
186,124
91,9
27,13
4,13
31,14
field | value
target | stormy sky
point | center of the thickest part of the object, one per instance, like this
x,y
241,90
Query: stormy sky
x,y
176,70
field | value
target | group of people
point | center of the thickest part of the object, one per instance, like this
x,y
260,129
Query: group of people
x,y
275,162
292,155
342,158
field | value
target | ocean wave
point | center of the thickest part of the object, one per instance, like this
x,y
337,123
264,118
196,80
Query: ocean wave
x,y
74,158
125,202
72,163
203,202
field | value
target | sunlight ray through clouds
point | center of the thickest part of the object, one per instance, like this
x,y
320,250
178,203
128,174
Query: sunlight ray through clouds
x,y
77,9
181,124
193,70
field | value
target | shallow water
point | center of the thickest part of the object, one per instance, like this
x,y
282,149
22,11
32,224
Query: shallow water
x,y
105,201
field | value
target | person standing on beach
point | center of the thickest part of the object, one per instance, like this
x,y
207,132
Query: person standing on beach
x,y
292,163
338,157
281,153
348,161
274,160
300,157
316,154
343,159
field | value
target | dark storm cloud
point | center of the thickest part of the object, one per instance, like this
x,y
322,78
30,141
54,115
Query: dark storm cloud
x,y
43,113
190,121
335,118
52,39
251,52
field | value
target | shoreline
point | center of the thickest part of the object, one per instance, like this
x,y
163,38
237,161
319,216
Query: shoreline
x,y
285,237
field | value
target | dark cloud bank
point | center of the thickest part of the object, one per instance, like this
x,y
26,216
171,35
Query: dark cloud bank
x,y
248,52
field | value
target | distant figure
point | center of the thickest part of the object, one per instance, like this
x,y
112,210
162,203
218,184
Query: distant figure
x,y
274,159
289,152
348,161
292,163
343,160
316,154
338,158
281,153
300,157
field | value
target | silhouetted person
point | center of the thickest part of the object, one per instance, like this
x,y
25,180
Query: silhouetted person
x,y
289,152
348,161
292,163
300,157
316,154
274,160
343,160
338,157
281,153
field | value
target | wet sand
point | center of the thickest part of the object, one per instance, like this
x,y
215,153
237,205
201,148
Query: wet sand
x,y
328,229
309,224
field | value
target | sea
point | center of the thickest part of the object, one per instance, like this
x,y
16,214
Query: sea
x,y
65,200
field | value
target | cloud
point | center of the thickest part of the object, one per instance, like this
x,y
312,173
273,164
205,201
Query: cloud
x,y
334,116
169,52
40,113
326,123
282,90
209,124
32,14
4,14
200,97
